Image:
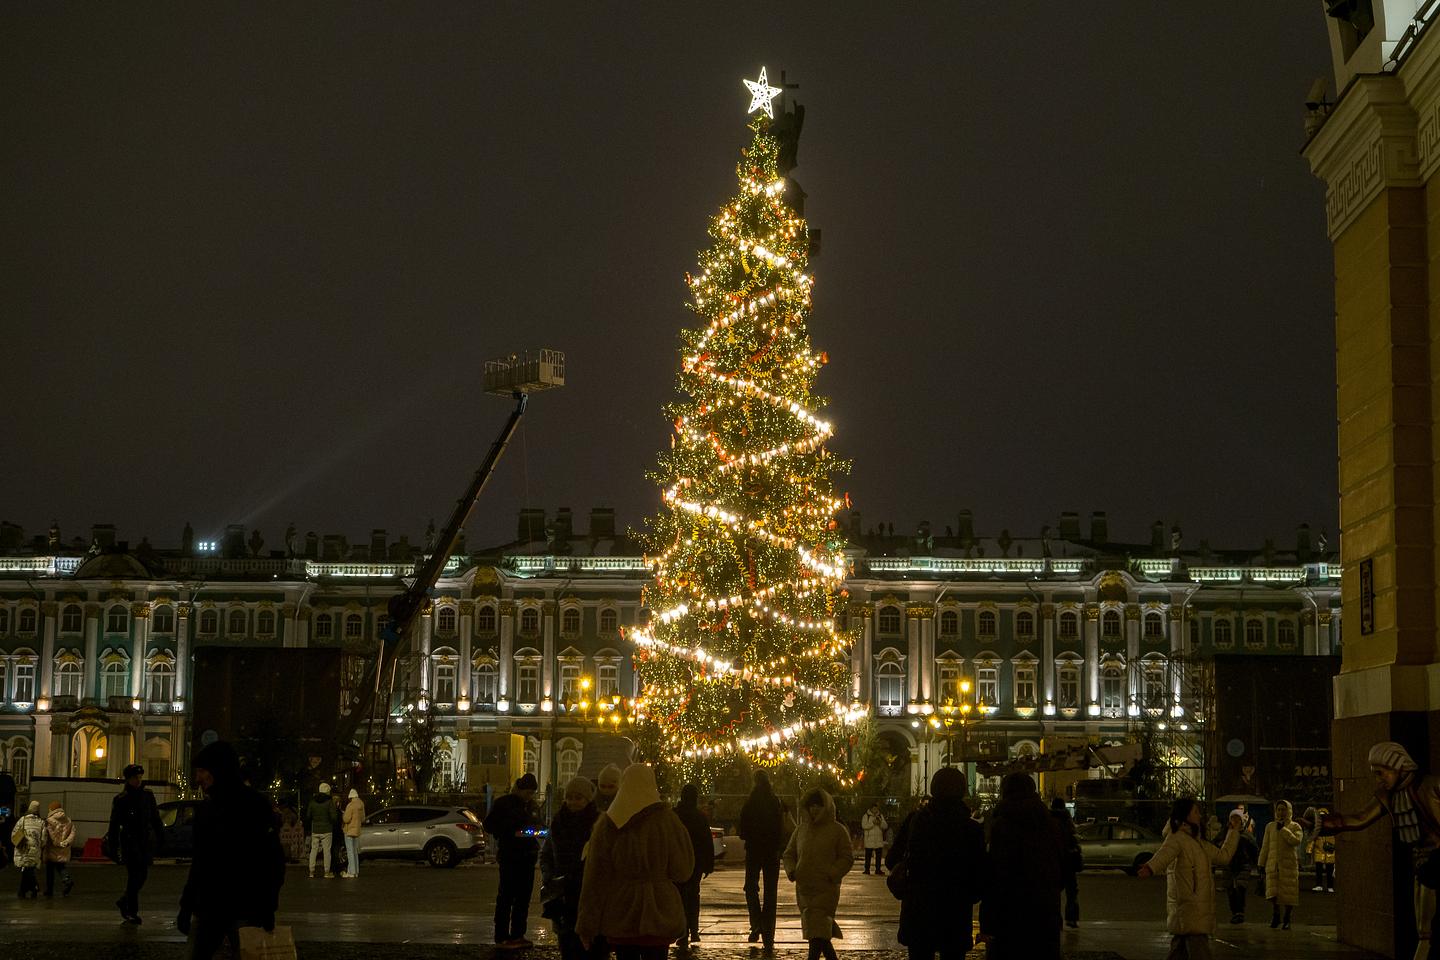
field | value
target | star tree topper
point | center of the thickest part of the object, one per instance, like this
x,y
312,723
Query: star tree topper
x,y
761,93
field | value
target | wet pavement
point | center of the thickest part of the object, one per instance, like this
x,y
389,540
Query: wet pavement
x,y
412,912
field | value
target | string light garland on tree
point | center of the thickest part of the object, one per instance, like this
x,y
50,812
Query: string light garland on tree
x,y
742,654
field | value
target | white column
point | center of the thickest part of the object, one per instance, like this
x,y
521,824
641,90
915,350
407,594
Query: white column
x,y
1178,641
547,665
427,627
48,612
182,651
140,617
91,677
462,672
1047,650
1308,636
914,658
1092,654
927,655
863,684
507,646
1132,658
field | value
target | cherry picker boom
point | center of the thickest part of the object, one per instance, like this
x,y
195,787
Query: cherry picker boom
x,y
516,377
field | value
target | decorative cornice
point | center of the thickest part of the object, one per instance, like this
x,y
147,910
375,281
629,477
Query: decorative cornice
x,y
1369,143
917,611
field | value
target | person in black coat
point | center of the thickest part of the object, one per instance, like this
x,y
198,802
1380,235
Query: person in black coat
x,y
943,852
688,810
562,866
134,833
514,823
1074,860
1237,871
762,828
1020,915
237,865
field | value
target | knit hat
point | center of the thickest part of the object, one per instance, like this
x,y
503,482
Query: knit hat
x,y
527,782
134,770
948,782
1391,756
582,786
34,807
354,794
221,760
609,779
54,804
325,789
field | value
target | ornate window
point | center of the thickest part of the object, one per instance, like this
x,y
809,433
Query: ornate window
x,y
529,622
889,621
1069,625
160,681
72,618
1254,634
949,680
1112,690
532,756
265,623
27,621
1224,634
485,620
1152,677
949,624
987,683
445,681
567,761
4,620
483,681
20,765
67,679
1025,624
115,679
209,623
1285,634
609,621
1025,683
354,626
24,681
527,677
1110,625
986,623
117,619
570,622
889,688
237,623
324,627
162,620
445,621
570,683
1154,627
607,681
1067,673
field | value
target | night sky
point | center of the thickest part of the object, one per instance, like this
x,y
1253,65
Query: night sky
x,y
251,262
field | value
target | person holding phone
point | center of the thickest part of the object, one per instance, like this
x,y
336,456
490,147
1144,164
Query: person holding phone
x,y
1188,862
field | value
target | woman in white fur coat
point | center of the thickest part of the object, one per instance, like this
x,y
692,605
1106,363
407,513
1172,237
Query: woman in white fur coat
x,y
1280,861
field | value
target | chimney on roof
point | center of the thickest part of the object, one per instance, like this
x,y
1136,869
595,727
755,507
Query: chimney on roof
x,y
312,546
103,534
335,548
1070,525
532,524
564,525
1099,527
233,546
378,551
1304,552
602,523
965,527
1157,537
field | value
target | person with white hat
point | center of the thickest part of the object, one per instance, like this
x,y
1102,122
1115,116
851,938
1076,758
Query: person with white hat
x,y
29,840
354,818
322,818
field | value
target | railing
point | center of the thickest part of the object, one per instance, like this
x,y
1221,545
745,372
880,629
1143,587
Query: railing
x,y
41,566
546,563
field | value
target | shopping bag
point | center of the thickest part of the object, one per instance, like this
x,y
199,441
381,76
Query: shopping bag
x,y
256,944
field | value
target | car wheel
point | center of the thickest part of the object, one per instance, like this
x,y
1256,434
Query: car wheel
x,y
441,853
1140,860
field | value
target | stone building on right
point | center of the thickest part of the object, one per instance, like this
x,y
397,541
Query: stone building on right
x,y
1377,147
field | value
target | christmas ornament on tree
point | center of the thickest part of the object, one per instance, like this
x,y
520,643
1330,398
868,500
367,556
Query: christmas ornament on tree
x,y
742,656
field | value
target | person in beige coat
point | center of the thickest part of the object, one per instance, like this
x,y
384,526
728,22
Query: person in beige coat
x,y
351,821
639,851
1189,863
59,838
816,860
1280,862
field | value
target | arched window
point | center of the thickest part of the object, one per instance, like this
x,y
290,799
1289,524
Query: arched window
x,y
209,623
72,618
160,682
324,627
1154,627
1254,634
1025,624
570,621
1110,625
265,623
445,620
567,761
1067,683
1025,683
117,619
163,619
889,624
89,752
4,621
485,620
1112,690
529,621
27,620
237,623
987,684
949,680
445,682
949,624
986,623
1069,626
354,626
609,621
67,679
1285,634
115,680
889,688
482,682
1152,677
1224,634
20,765
532,756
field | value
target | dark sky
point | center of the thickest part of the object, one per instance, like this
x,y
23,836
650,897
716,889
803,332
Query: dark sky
x,y
251,262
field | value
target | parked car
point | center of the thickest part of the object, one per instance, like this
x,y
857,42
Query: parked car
x,y
177,838
717,838
443,836
1115,843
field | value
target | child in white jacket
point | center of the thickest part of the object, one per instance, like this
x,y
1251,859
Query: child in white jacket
x,y
1189,863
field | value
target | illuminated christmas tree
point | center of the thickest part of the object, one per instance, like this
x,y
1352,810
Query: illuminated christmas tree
x,y
742,655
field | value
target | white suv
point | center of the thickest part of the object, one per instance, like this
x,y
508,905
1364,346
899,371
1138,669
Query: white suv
x,y
441,835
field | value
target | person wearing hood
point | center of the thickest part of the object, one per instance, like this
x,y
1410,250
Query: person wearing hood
x,y
1280,862
135,831
1074,860
639,852
690,814
237,865
816,859
762,827
59,838
1188,862
322,818
605,786
1020,913
943,849
28,839
353,819
514,823
562,863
